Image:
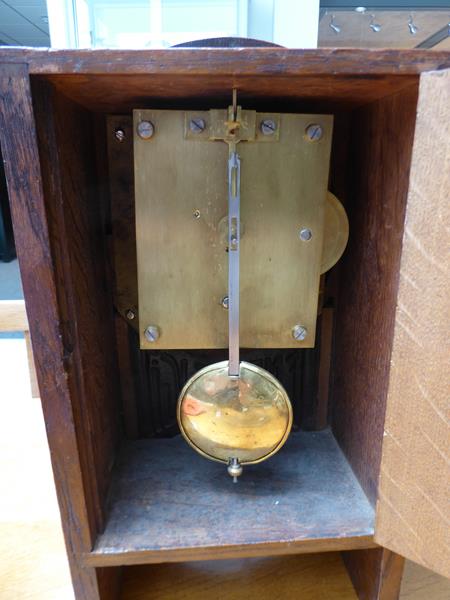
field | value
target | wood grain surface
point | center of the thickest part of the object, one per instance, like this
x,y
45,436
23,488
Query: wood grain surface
x,y
381,136
108,80
413,516
169,504
78,249
279,92
420,583
123,222
306,577
229,61
376,573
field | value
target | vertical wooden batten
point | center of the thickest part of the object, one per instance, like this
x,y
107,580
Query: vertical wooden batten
x,y
412,509
376,573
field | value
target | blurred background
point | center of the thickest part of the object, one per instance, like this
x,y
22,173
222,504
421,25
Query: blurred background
x,y
164,23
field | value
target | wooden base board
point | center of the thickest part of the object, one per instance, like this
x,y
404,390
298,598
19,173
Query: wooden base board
x,y
169,504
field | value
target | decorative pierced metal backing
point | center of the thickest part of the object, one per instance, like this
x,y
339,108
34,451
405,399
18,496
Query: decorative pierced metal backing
x,y
159,376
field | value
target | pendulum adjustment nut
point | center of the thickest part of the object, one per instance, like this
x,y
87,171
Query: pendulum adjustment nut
x,y
234,469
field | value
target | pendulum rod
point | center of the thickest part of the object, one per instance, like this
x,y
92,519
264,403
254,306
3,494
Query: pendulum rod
x,y
234,184
234,242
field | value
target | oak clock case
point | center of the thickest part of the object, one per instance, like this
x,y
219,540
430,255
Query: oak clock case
x,y
110,229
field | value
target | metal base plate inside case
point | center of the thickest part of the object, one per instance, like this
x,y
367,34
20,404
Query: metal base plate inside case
x,y
181,201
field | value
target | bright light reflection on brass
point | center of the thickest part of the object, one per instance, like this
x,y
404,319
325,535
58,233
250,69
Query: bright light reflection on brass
x,y
247,418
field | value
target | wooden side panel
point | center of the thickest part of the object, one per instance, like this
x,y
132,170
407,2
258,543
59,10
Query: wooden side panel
x,y
380,152
413,506
20,153
66,144
376,573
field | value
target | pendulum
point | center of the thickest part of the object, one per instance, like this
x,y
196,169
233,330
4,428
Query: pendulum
x,y
234,412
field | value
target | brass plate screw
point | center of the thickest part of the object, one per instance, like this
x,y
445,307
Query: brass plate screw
x,y
225,302
145,130
268,127
152,333
299,333
197,125
314,132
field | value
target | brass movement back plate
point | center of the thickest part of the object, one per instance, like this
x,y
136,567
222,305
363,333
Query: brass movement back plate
x,y
181,202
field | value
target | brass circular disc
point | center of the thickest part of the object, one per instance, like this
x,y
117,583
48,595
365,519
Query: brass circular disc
x,y
223,417
335,233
